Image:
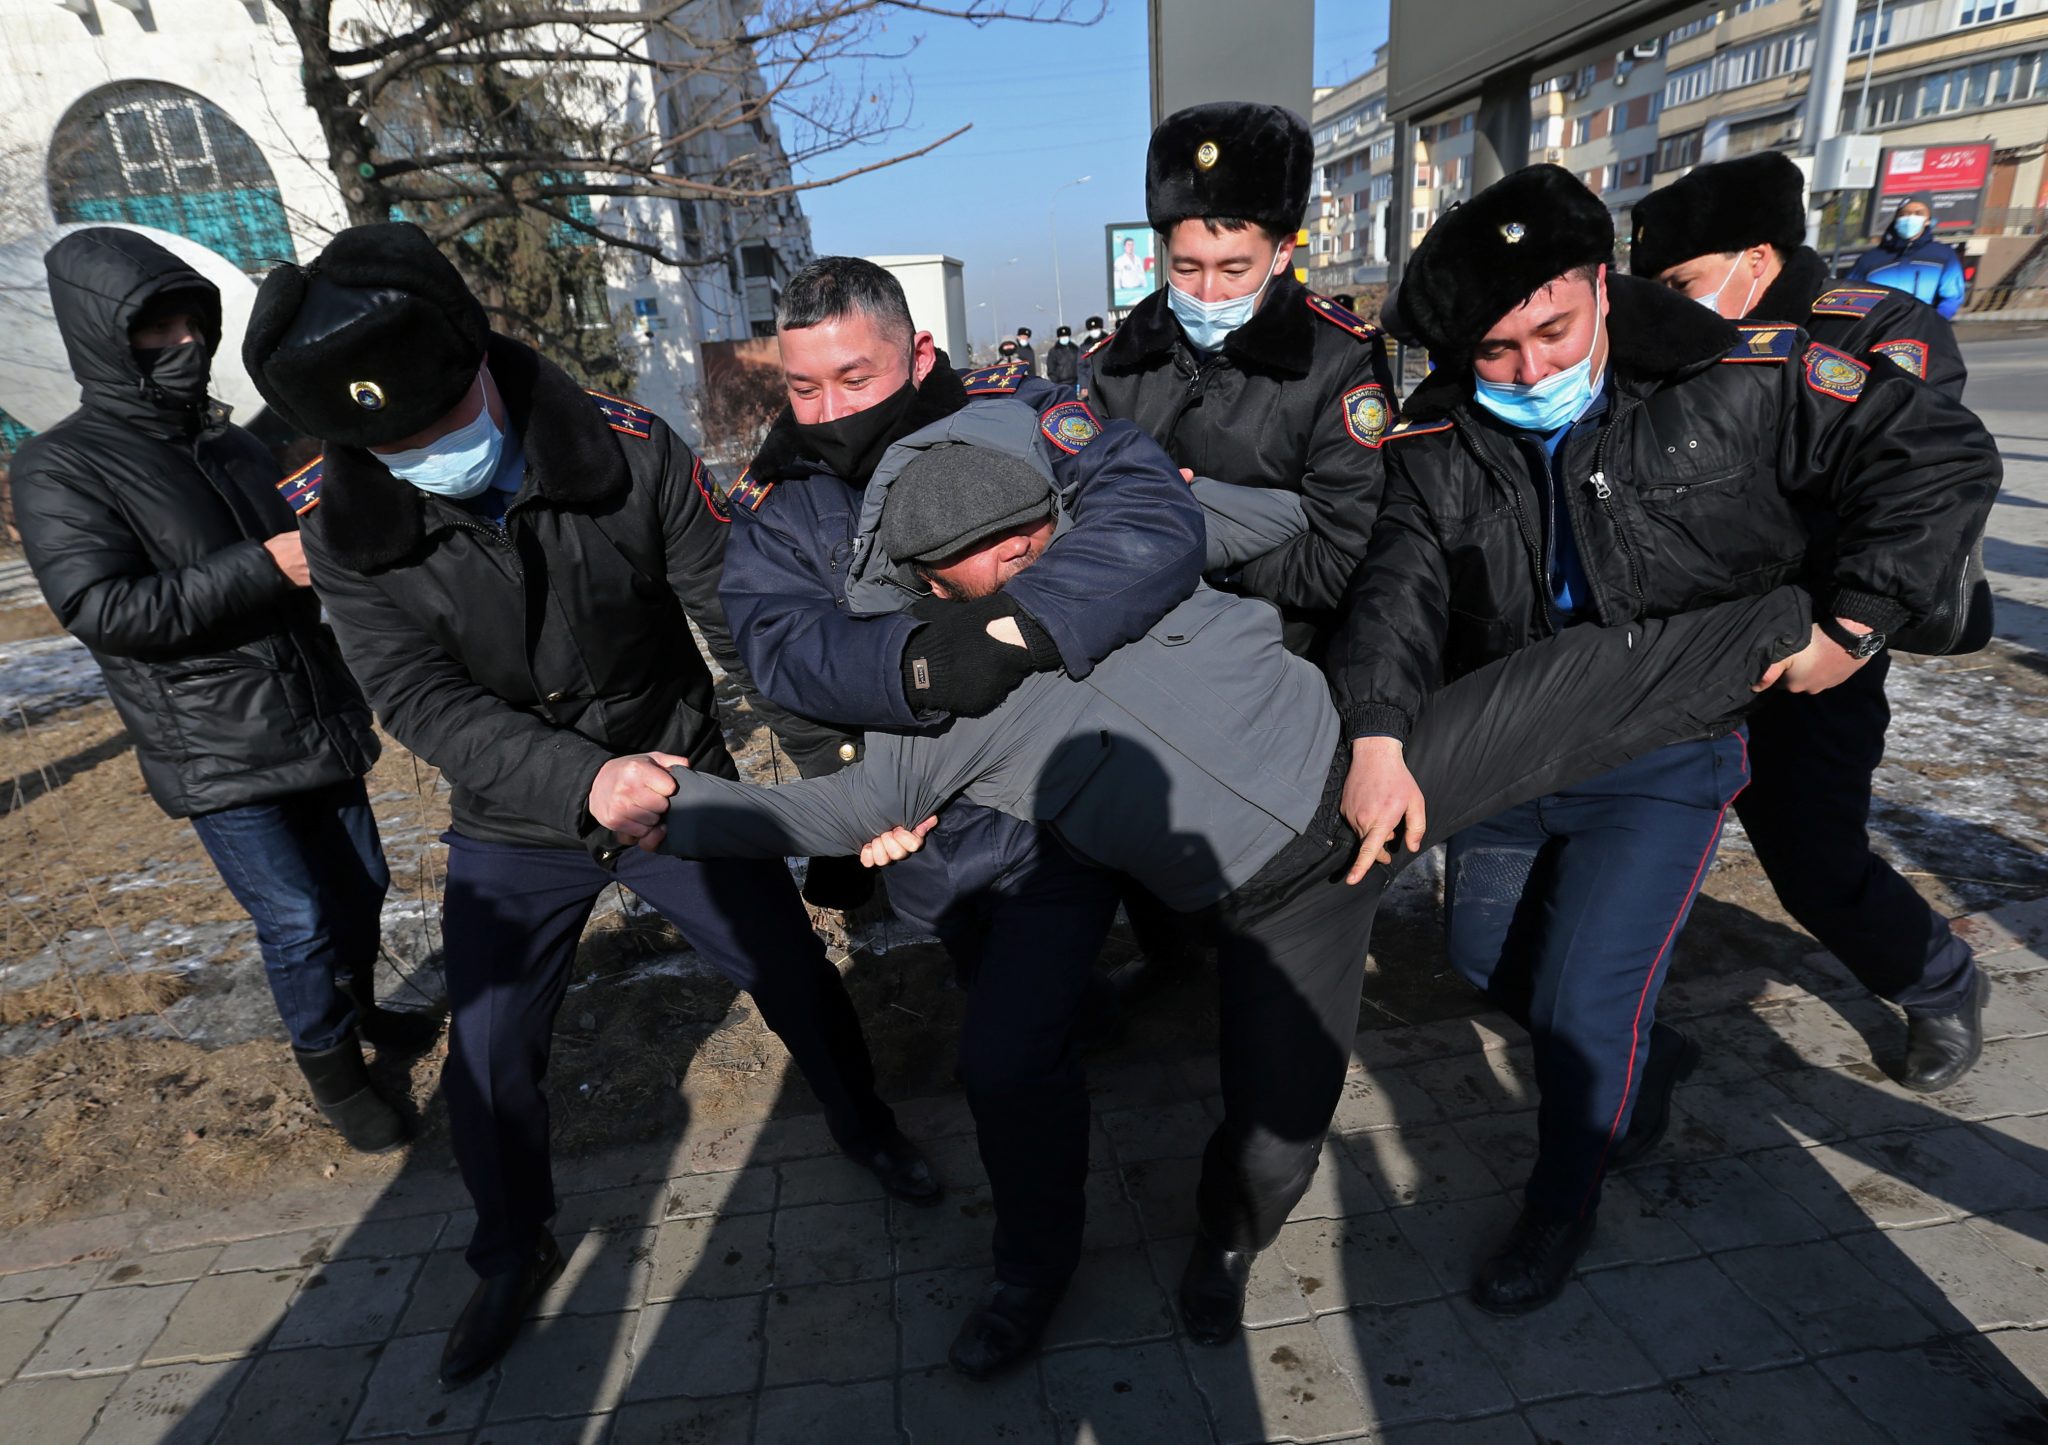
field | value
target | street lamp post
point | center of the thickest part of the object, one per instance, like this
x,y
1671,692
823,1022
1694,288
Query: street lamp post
x,y
1053,225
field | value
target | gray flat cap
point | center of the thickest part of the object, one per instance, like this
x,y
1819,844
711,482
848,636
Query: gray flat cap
x,y
952,495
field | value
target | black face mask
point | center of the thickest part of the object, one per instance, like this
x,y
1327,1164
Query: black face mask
x,y
176,374
853,445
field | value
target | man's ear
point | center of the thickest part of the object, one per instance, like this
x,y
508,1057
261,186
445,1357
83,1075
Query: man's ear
x,y
924,355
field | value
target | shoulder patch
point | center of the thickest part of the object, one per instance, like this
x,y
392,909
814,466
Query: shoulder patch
x,y
1831,373
998,380
1849,301
1367,415
1338,317
301,490
748,492
1096,346
1069,426
624,416
1403,430
1762,342
1906,353
707,487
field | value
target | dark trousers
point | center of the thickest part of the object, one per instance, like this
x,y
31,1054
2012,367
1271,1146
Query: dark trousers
x,y
510,923
1565,910
1807,814
309,871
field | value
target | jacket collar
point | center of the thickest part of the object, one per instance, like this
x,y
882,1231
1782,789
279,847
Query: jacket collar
x,y
372,519
1654,334
783,457
1279,338
1790,297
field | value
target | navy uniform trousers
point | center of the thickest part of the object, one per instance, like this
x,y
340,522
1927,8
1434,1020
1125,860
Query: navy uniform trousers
x,y
1565,911
1807,814
510,922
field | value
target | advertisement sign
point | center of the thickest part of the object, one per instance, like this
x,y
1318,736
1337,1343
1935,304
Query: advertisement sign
x,y
1133,264
1949,179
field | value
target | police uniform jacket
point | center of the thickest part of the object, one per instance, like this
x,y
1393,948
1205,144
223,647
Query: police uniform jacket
x,y
1299,398
144,526
518,659
1135,550
1062,363
1687,494
1871,323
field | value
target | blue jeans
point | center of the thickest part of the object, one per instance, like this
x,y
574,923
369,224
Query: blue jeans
x,y
310,872
1564,910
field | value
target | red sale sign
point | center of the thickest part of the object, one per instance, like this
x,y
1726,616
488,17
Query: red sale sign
x,y
1949,179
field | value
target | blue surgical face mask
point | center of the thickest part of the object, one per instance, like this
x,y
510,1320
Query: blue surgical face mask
x,y
1543,406
1207,323
1712,300
459,465
1910,227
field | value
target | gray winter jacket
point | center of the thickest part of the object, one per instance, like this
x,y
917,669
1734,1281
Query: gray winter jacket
x,y
1187,758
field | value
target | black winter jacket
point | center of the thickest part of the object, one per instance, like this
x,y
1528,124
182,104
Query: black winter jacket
x,y
519,659
1299,398
1871,323
143,522
1689,493
1062,363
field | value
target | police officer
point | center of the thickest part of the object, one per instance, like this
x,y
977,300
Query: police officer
x,y
1084,370
512,565
1022,918
1062,359
1730,236
1238,370
1024,352
1595,448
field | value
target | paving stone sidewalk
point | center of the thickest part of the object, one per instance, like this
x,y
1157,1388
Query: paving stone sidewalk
x,y
1815,1255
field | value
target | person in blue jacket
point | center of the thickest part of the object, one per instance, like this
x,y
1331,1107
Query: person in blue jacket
x,y
1022,917
1909,259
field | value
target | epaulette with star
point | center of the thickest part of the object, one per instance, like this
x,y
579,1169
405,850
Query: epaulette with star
x,y
1405,429
998,380
1338,317
749,492
624,416
1762,341
301,490
1849,301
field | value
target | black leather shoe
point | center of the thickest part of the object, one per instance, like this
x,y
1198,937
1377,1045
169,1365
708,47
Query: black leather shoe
x,y
903,1170
496,1310
1212,1291
1941,1048
1673,1057
1004,1329
1533,1264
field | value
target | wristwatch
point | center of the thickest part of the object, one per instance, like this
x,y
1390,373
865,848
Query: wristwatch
x,y
1859,645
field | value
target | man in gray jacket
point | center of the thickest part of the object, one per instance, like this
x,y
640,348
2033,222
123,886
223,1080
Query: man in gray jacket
x,y
1206,761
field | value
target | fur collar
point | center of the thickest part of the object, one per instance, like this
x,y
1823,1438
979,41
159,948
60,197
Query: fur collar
x,y
371,519
1653,334
782,456
1789,298
1279,338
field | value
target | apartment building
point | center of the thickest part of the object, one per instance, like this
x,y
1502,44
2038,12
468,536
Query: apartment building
x,y
1353,192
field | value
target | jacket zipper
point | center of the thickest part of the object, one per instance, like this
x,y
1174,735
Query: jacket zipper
x,y
1603,492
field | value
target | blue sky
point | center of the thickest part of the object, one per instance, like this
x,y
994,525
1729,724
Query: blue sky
x,y
1048,104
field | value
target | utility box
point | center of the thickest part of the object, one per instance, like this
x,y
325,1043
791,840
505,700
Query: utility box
x,y
1846,163
937,297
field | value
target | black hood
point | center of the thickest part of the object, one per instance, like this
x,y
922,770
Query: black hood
x,y
100,280
783,455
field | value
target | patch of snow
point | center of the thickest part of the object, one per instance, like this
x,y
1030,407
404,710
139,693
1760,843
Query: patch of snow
x,y
46,675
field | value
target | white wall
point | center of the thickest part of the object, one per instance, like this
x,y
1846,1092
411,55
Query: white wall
x,y
936,291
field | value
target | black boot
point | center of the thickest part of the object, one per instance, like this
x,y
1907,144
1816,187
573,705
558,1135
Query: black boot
x,y
1533,1265
902,1168
496,1309
1673,1057
401,1032
1212,1291
1004,1329
1941,1048
342,1088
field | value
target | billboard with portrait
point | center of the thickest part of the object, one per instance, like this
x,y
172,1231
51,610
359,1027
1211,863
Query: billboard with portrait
x,y
1133,265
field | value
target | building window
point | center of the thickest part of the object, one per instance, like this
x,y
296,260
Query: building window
x,y
154,155
1422,173
1675,153
1610,176
1765,60
1582,130
1977,12
2009,81
1692,83
1866,21
1418,221
1693,27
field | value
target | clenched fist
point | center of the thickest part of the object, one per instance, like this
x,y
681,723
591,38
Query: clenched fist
x,y
630,796
289,553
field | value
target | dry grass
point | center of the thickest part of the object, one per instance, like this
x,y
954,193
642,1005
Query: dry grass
x,y
99,997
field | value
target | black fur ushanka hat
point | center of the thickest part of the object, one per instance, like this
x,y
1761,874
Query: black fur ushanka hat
x,y
1229,159
1714,209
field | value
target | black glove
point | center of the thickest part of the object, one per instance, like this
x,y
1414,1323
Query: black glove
x,y
952,665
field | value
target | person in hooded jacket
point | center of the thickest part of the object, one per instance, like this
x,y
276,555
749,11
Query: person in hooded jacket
x,y
154,528
1908,258
1730,236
